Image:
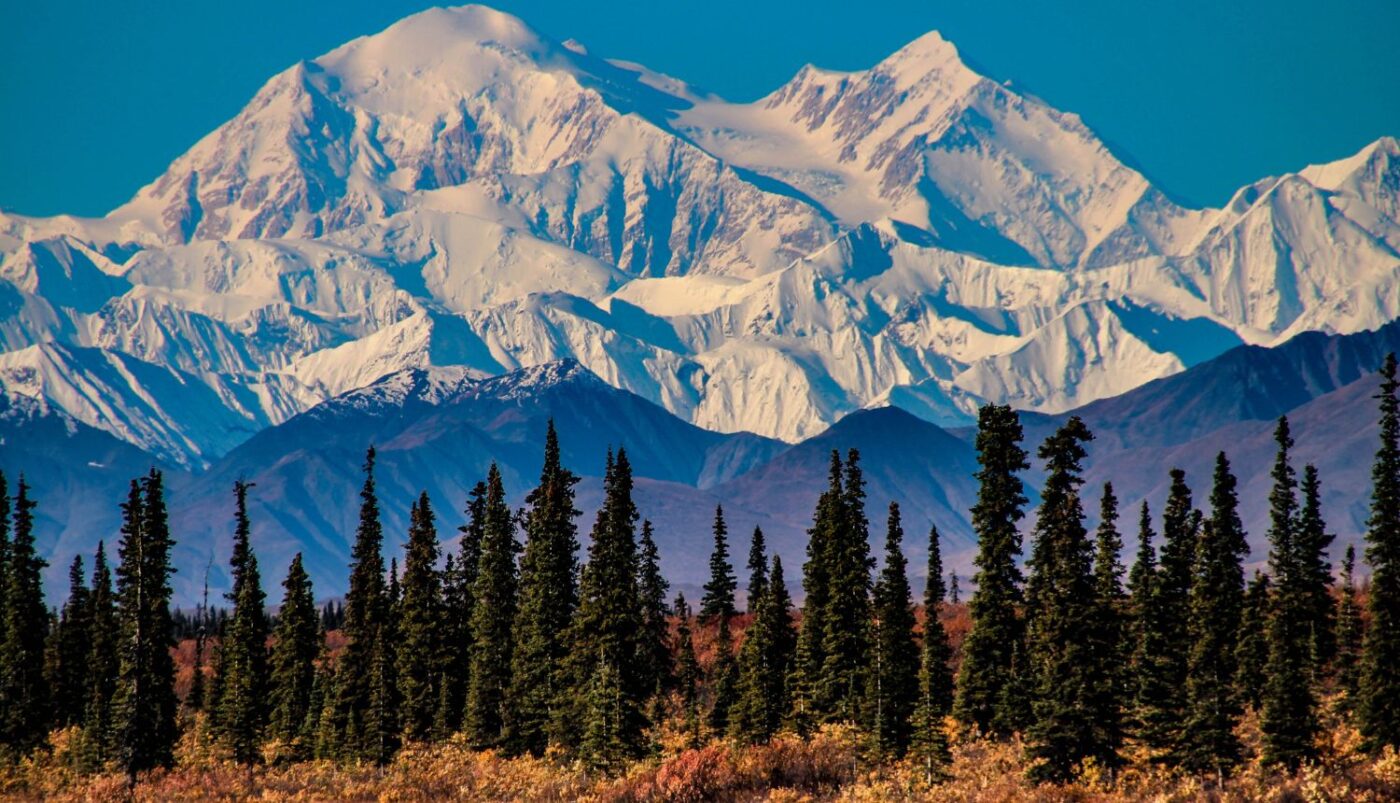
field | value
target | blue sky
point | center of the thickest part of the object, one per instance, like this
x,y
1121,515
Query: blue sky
x,y
98,97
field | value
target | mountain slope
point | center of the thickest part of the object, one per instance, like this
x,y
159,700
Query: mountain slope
x,y
461,190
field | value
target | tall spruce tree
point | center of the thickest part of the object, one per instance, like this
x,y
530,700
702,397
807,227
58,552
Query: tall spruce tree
x,y
764,660
1289,718
893,684
1181,526
816,584
144,703
1313,541
1378,698
1349,633
846,640
459,577
1112,649
718,601
1252,647
655,652
930,739
294,653
758,568
243,651
493,615
1152,687
604,634
1216,604
420,647
96,744
69,678
366,614
548,599
987,695
1068,671
24,696
1164,643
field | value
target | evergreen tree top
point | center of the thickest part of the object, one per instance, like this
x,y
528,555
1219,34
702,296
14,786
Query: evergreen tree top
x,y
758,567
935,588
1108,569
719,589
1283,506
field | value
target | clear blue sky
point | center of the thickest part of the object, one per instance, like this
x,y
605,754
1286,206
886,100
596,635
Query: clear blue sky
x,y
98,97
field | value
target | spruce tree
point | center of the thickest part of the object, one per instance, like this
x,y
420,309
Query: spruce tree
x,y
1289,717
1112,646
69,680
785,646
655,649
1252,648
24,696
724,680
144,704
329,739
607,743
1164,642
366,613
1313,541
243,649
930,739
988,697
293,678
420,648
1378,698
548,599
893,683
493,615
380,737
816,584
1349,633
718,601
687,672
1061,633
1181,526
96,743
758,568
459,576
764,661
1216,605
605,632
1152,687
846,640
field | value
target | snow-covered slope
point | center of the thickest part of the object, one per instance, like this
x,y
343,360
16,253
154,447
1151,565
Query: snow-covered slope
x,y
460,190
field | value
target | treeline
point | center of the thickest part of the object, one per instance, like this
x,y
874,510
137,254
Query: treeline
x,y
512,645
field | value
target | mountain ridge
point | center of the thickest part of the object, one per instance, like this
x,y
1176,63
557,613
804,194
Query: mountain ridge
x,y
460,190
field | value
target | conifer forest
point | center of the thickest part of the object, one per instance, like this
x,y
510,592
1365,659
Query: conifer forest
x,y
521,665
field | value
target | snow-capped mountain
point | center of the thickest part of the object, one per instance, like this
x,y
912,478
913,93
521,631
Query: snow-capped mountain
x,y
460,190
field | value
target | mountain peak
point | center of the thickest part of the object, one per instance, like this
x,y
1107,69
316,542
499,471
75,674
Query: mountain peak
x,y
470,23
536,379
926,53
